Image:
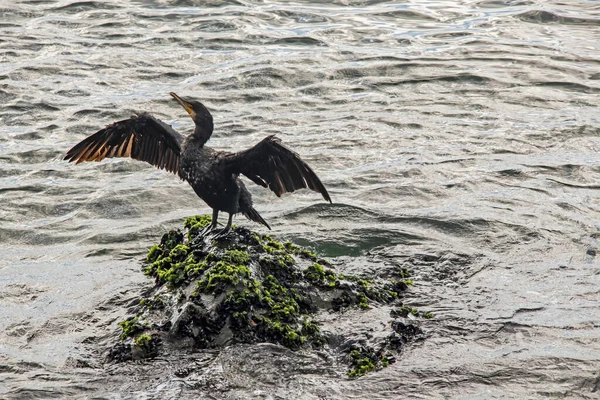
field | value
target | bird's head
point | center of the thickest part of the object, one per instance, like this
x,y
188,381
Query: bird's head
x,y
199,113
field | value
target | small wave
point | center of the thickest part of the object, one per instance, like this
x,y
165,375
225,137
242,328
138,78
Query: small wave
x,y
503,3
574,185
572,86
335,210
72,93
116,36
461,227
511,172
405,14
112,238
229,43
99,114
79,6
205,3
463,77
299,41
33,135
215,26
351,72
40,155
359,242
302,17
36,237
450,35
28,107
23,188
545,17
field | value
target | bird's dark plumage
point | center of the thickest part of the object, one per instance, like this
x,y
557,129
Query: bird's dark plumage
x,y
271,164
142,137
212,174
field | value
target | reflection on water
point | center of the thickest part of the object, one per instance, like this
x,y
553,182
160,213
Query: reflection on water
x,y
458,139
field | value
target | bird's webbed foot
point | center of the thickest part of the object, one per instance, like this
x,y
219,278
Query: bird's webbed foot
x,y
220,233
209,228
212,226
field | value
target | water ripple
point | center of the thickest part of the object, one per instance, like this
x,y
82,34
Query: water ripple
x,y
457,139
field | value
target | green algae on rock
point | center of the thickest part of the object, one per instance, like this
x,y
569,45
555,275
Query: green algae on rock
x,y
364,358
130,326
248,288
405,311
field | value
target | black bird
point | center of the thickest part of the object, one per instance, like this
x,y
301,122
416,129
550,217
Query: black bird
x,y
214,175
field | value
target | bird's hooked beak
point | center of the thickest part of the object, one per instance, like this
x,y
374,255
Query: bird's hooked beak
x,y
188,107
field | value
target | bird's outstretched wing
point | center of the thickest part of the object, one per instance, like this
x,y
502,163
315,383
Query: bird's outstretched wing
x,y
142,137
271,164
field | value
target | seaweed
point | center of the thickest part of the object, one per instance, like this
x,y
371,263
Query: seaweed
x,y
130,327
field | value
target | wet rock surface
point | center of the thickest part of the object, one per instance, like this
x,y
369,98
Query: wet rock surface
x,y
250,288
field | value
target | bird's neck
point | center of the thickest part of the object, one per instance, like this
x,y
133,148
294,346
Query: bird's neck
x,y
201,135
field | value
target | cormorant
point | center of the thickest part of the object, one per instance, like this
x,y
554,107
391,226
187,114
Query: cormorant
x,y
214,175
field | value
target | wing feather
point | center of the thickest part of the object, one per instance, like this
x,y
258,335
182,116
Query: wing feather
x,y
129,146
271,164
142,137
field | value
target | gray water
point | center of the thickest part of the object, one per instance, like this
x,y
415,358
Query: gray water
x,y
458,139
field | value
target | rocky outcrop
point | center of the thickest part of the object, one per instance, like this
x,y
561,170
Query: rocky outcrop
x,y
248,288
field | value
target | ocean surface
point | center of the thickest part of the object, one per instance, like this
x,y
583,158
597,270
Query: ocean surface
x,y
459,139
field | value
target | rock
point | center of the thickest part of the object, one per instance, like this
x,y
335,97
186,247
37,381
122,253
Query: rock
x,y
249,288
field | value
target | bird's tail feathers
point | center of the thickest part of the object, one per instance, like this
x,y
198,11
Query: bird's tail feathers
x,y
253,215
